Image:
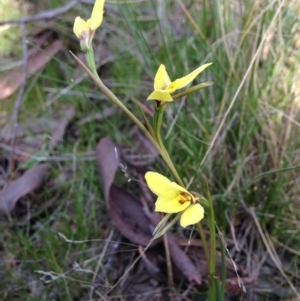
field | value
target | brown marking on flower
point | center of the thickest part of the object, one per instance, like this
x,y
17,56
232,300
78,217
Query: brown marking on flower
x,y
186,197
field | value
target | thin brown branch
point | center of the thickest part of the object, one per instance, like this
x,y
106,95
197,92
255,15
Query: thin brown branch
x,y
45,15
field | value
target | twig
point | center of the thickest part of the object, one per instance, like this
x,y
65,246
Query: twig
x,y
99,264
45,15
50,14
169,262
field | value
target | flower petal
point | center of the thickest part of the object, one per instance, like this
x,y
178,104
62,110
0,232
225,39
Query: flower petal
x,y
192,215
171,206
161,80
167,196
178,187
160,95
88,23
184,81
158,183
97,14
79,27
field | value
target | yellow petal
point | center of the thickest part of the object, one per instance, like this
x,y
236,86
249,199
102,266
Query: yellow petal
x,y
192,215
80,26
171,206
160,95
88,23
167,196
97,14
157,183
184,81
161,80
180,188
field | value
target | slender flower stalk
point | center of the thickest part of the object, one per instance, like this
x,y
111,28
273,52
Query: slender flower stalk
x,y
92,72
212,257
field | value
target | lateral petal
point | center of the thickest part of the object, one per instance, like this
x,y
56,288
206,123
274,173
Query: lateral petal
x,y
184,81
192,215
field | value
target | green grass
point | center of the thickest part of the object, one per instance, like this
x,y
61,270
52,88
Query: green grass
x,y
260,134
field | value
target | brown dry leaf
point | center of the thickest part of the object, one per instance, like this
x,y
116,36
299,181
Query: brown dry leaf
x,y
124,209
28,182
36,59
128,216
183,262
107,163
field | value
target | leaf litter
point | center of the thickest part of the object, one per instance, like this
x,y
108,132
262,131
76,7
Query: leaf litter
x,y
37,57
32,179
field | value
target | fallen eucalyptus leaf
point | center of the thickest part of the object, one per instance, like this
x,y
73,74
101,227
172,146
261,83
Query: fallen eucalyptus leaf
x,y
36,60
27,183
125,210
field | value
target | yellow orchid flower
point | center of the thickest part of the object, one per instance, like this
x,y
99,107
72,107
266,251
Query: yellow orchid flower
x,y
85,30
163,87
172,198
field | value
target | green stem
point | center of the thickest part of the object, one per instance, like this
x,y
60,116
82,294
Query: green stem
x,y
203,239
212,259
92,72
157,120
90,59
158,116
223,270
